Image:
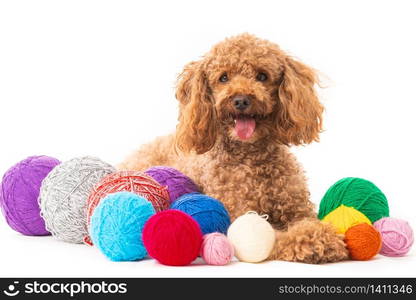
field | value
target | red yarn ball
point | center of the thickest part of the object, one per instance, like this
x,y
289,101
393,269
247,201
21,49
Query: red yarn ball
x,y
128,181
172,237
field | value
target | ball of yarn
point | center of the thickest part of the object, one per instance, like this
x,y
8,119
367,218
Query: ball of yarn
x,y
172,237
252,237
19,192
396,235
210,213
117,226
64,193
216,249
129,181
363,241
345,217
177,183
359,193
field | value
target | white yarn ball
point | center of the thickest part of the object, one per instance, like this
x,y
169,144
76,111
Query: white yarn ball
x,y
64,193
252,237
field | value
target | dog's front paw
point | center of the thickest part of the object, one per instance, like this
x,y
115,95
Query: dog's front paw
x,y
310,241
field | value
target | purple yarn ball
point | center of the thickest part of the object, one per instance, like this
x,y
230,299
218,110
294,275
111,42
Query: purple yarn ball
x,y
19,192
178,184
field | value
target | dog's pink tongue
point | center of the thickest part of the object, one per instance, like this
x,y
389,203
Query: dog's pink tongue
x,y
244,127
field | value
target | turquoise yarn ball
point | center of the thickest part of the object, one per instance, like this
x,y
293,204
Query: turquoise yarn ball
x,y
208,212
117,224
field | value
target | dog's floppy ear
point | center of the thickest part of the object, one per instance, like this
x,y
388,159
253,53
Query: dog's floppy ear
x,y
299,119
197,127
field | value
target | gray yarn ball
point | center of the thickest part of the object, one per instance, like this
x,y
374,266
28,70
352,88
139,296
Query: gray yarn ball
x,y
64,193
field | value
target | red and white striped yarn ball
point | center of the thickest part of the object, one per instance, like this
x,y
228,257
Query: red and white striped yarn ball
x,y
128,181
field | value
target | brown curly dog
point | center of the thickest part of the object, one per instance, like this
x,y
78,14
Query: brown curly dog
x,y
241,107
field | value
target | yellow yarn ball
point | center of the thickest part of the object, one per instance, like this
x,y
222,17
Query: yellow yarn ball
x,y
344,217
252,237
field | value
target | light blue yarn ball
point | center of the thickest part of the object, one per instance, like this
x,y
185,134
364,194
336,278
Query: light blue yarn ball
x,y
208,212
117,224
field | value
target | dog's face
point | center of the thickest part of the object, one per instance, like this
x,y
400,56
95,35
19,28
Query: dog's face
x,y
248,89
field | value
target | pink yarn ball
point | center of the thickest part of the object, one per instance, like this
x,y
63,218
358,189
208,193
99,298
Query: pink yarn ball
x,y
397,236
216,249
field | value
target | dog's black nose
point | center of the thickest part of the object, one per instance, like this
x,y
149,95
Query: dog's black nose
x,y
241,102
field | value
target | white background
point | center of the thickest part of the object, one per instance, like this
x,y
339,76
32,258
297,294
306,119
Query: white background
x,y
97,78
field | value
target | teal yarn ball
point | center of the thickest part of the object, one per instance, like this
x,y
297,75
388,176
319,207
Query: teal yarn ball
x,y
117,224
208,212
358,193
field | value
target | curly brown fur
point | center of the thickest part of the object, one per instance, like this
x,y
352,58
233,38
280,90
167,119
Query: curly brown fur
x,y
309,241
253,170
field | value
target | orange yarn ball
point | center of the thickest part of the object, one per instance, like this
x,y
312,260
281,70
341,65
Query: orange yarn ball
x,y
363,241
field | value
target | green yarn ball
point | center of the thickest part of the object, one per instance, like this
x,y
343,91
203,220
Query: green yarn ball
x,y
359,193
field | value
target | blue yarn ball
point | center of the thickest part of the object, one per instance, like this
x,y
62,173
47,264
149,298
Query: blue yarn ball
x,y
117,224
210,213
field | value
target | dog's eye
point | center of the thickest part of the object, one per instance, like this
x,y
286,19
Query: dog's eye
x,y
261,76
224,77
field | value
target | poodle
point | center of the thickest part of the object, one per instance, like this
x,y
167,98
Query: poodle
x,y
241,107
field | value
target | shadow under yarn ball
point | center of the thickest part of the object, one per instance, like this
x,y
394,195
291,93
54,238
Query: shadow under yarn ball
x,y
19,192
117,225
64,193
210,213
178,184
